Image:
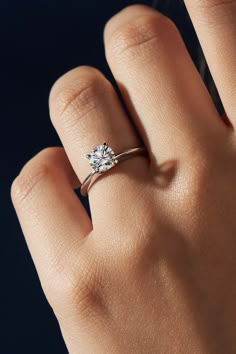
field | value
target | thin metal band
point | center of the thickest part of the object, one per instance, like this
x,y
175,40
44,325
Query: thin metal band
x,y
119,157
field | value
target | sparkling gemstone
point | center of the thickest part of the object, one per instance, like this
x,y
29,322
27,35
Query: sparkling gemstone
x,y
102,158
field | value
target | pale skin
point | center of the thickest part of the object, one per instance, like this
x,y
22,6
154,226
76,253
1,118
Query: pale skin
x,y
155,269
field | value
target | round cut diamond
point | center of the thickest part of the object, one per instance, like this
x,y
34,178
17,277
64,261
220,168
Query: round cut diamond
x,y
102,158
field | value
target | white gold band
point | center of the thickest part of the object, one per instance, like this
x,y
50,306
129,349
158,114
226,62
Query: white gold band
x,y
102,159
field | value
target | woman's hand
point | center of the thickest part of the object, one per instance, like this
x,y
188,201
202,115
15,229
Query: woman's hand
x,y
155,269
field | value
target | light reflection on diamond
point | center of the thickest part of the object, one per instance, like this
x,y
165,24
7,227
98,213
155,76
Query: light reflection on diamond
x,y
102,158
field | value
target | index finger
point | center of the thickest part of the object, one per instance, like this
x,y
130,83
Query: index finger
x,y
52,218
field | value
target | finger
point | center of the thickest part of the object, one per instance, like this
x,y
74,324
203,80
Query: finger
x,y
86,112
159,82
52,218
215,25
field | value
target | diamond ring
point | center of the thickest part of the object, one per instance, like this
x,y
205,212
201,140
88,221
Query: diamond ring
x,y
102,158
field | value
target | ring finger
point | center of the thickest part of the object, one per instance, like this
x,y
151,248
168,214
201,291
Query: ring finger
x,y
86,112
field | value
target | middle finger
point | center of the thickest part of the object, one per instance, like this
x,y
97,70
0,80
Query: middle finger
x,y
159,82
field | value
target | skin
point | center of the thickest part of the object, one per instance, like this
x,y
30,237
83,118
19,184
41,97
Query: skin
x,y
154,271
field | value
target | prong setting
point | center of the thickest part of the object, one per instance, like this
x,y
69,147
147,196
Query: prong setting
x,y
102,158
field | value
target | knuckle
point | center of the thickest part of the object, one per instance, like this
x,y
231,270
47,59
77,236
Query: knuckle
x,y
87,296
214,4
141,32
215,13
79,96
77,288
33,174
25,186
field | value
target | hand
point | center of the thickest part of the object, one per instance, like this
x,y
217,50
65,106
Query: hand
x,y
155,269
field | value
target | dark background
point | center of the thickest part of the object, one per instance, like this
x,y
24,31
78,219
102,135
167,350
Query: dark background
x,y
39,42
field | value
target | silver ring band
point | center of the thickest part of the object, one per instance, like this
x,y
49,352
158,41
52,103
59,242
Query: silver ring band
x,y
111,160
